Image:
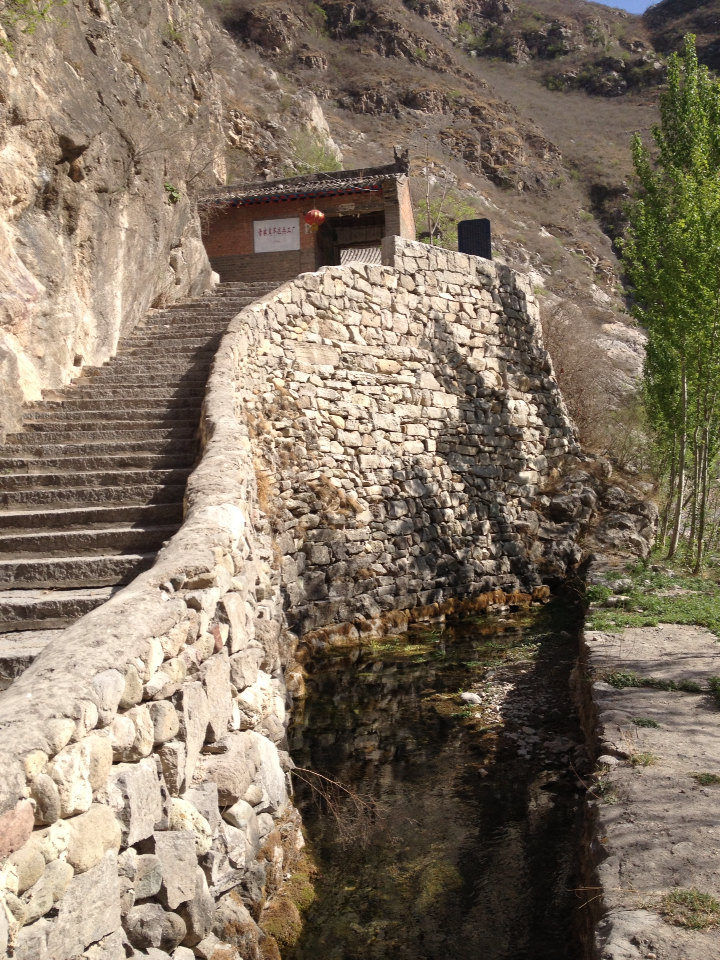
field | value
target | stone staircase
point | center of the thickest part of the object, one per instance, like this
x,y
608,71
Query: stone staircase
x,y
93,484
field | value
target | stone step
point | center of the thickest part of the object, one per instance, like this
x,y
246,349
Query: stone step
x,y
76,571
120,477
158,413
132,432
167,363
84,390
201,327
201,305
253,285
63,517
183,381
190,323
172,354
19,650
139,493
133,380
116,538
216,304
22,610
101,448
133,420
77,405
150,375
179,332
174,343
206,304
151,371
201,318
193,324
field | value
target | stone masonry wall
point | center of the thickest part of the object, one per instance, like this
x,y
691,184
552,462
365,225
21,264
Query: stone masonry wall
x,y
378,440
143,793
406,421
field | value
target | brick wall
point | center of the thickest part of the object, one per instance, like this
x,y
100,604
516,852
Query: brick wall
x,y
228,234
400,219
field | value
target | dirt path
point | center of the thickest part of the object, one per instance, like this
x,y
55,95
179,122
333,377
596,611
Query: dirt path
x,y
658,827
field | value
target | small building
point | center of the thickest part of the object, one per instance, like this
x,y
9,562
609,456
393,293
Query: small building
x,y
258,231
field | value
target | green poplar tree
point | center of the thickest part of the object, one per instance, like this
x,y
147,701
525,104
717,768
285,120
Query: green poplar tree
x,y
672,259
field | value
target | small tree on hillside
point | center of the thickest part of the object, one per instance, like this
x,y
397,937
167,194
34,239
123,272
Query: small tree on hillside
x,y
672,258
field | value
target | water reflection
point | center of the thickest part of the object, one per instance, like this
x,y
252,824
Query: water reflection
x,y
461,843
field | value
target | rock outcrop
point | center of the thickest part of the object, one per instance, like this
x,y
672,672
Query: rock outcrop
x,y
108,115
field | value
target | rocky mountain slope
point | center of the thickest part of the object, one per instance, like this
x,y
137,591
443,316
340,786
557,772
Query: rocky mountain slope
x,y
112,115
104,119
670,20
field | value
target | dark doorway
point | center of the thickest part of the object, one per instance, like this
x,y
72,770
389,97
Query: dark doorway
x,y
353,234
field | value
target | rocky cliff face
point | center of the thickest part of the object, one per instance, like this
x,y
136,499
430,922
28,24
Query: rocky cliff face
x,y
109,115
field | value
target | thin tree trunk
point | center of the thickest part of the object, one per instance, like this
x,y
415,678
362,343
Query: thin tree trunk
x,y
697,457
427,200
665,520
681,468
703,501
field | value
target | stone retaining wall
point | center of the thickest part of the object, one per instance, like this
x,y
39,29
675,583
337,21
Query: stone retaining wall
x,y
376,442
406,421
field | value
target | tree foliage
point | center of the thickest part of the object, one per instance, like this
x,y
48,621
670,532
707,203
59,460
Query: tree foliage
x,y
672,259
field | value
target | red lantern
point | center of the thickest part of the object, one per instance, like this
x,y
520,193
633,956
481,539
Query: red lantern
x,y
314,218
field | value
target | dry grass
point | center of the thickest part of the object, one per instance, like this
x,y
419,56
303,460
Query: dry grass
x,y
266,488
691,908
335,498
581,370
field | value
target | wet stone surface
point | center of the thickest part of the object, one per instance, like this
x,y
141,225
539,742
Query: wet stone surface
x,y
462,752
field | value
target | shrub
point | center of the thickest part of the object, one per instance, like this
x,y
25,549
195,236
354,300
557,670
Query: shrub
x,y
25,16
310,154
173,194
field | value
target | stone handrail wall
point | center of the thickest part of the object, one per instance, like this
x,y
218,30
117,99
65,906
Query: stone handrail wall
x,y
376,440
124,741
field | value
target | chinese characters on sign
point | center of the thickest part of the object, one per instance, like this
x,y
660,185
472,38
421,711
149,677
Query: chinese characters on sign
x,y
273,235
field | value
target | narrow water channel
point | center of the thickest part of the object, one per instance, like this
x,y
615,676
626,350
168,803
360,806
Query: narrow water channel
x,y
461,752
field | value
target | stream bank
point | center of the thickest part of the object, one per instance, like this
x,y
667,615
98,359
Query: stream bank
x,y
648,699
464,758
653,832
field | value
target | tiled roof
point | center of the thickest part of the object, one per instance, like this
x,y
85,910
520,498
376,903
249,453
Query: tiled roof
x,y
366,180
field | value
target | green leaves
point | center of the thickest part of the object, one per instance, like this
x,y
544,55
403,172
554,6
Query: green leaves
x,y
173,194
25,16
672,260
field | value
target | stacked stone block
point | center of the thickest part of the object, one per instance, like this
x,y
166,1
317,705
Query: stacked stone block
x,y
144,796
